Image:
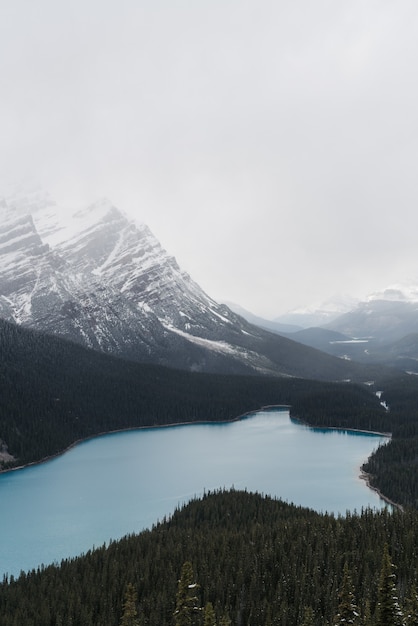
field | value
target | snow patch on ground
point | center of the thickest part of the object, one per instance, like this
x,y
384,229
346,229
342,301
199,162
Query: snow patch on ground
x,y
217,346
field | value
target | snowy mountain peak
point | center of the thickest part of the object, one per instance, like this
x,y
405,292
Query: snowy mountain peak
x,y
320,313
101,210
96,277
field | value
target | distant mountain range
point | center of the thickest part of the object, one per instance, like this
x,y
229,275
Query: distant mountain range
x,y
273,325
100,279
318,314
382,329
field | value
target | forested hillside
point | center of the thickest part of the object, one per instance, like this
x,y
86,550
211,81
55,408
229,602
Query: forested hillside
x,y
394,467
54,392
259,562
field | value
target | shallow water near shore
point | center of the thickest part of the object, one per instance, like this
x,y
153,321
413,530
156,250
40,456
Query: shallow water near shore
x,y
124,482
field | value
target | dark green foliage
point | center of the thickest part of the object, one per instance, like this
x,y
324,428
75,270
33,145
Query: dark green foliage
x,y
411,608
256,559
367,615
209,618
388,612
308,617
187,609
130,614
348,612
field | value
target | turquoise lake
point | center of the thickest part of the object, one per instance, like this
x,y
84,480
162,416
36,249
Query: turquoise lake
x,y
124,482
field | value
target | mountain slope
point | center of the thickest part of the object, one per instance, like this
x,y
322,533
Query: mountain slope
x,y
383,320
104,281
275,327
319,314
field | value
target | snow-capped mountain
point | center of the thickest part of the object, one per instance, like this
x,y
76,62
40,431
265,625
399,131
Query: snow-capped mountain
x,y
275,327
102,280
318,314
99,279
383,320
381,329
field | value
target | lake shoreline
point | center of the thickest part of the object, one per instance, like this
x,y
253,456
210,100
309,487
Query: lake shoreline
x,y
343,428
124,481
367,478
132,428
363,475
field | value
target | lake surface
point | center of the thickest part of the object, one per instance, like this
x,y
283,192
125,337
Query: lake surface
x,y
124,482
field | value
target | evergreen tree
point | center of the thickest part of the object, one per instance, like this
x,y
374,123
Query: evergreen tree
x,y
411,609
388,611
187,605
209,615
367,615
268,621
130,615
348,612
308,617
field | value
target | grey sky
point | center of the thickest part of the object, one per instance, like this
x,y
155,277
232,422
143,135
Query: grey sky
x,y
271,146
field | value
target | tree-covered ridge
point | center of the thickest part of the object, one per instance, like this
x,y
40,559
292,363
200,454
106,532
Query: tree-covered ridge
x,y
258,561
54,392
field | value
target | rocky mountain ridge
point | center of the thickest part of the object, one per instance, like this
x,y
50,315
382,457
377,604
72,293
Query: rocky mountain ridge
x,y
100,279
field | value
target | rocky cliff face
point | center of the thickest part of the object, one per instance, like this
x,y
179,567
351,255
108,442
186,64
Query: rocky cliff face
x,y
99,279
102,280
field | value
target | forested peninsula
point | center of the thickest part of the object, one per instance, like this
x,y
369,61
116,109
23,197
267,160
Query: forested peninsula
x,y
238,559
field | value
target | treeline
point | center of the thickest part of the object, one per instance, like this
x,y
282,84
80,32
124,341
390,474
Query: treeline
x,y
394,467
257,561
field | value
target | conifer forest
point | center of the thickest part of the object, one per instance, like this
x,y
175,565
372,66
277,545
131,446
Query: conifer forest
x,y
233,558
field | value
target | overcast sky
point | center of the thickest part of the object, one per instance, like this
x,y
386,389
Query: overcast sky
x,y
271,146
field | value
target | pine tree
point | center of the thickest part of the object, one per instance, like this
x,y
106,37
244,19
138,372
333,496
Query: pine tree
x,y
130,615
367,615
411,609
186,600
388,611
209,615
348,612
308,617
268,621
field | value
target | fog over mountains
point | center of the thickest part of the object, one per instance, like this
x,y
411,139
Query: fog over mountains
x,y
381,329
104,281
